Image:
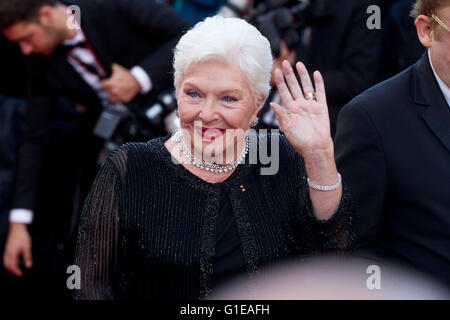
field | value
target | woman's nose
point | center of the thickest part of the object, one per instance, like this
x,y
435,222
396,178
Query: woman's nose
x,y
209,111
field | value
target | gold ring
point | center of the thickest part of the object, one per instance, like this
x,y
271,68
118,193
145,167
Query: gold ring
x,y
310,96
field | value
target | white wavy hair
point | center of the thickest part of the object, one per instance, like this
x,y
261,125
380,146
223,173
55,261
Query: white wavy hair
x,y
230,40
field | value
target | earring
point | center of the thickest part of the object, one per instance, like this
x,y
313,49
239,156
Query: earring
x,y
255,122
176,113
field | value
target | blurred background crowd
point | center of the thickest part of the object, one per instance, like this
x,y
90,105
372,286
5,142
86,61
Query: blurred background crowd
x,y
327,35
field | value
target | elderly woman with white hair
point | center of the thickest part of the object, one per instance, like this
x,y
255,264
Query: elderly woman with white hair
x,y
176,216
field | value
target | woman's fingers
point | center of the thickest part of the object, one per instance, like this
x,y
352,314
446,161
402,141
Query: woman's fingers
x,y
304,78
293,85
290,91
283,90
320,88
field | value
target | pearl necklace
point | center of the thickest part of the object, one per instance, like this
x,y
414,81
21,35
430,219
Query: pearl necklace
x,y
208,166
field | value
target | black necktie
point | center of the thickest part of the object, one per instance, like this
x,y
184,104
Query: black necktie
x,y
91,68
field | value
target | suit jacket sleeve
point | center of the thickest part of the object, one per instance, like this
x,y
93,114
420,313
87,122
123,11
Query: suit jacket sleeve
x,y
38,124
359,58
360,159
162,23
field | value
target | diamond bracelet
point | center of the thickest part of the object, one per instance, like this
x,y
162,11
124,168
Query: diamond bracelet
x,y
325,188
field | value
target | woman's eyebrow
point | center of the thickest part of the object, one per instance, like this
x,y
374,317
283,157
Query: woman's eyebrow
x,y
226,91
193,86
232,91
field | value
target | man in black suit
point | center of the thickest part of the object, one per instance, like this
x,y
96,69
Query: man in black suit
x,y
115,53
393,150
12,111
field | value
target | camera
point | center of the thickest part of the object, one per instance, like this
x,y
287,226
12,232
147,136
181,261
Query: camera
x,y
280,20
119,124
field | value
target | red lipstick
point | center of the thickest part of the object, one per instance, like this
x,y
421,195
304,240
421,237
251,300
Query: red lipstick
x,y
210,133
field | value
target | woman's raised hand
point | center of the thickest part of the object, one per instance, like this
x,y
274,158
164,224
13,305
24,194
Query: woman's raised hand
x,y
304,120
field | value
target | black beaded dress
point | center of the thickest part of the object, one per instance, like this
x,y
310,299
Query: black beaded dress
x,y
150,229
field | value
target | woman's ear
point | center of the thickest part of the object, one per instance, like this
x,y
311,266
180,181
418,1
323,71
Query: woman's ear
x,y
258,106
260,103
425,31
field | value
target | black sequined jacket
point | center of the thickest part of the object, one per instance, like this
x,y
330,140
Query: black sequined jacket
x,y
147,228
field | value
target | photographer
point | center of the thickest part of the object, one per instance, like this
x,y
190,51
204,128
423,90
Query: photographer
x,y
119,54
12,110
334,38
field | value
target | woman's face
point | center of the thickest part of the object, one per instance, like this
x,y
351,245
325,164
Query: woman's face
x,y
216,108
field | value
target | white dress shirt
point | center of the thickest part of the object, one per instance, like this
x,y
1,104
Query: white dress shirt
x,y
444,88
19,215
